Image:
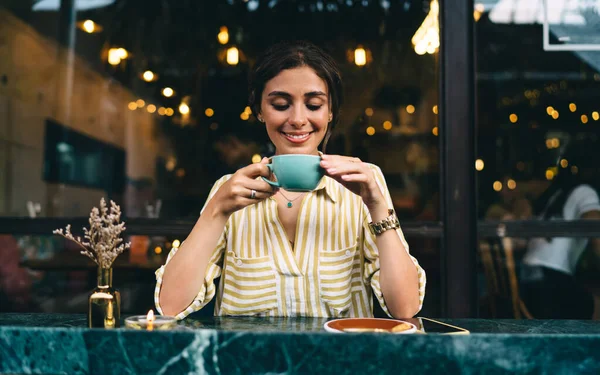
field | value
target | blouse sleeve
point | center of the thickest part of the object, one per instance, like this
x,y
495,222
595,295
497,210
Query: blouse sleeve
x,y
213,271
371,266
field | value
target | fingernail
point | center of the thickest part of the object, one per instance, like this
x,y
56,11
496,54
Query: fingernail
x,y
332,170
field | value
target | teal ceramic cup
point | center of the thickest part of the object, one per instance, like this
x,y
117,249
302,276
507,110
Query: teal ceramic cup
x,y
295,172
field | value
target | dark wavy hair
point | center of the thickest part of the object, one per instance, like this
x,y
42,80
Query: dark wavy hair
x,y
289,55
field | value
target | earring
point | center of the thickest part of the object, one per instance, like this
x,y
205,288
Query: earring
x,y
330,117
259,117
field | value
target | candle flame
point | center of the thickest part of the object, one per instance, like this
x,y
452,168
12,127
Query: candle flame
x,y
150,316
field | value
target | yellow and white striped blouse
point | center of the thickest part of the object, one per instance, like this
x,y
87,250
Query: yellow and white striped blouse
x,y
332,272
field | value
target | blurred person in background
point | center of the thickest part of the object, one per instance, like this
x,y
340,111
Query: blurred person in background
x,y
549,286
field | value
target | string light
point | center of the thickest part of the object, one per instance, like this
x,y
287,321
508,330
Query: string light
x,y
132,106
513,118
427,36
256,158
387,125
140,103
369,112
410,109
209,112
595,116
572,107
370,130
511,184
151,108
564,163
168,92
479,164
435,131
497,186
584,119
435,109
115,55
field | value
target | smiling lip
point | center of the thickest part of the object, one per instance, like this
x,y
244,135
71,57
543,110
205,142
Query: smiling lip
x,y
296,138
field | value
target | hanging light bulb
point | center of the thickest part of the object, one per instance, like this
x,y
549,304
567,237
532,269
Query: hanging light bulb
x,y
184,109
148,76
223,35
89,26
360,56
233,56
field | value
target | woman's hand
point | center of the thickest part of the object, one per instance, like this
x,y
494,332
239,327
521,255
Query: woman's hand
x,y
356,176
243,189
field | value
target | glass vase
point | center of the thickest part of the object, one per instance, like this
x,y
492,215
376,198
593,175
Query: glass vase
x,y
104,303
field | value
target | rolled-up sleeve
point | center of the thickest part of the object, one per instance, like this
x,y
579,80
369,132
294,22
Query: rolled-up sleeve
x,y
371,253
208,289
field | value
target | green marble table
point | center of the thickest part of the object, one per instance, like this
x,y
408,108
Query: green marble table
x,y
60,344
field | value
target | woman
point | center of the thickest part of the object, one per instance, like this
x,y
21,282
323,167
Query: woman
x,y
280,253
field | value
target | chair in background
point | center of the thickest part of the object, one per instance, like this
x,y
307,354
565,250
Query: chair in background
x,y
498,262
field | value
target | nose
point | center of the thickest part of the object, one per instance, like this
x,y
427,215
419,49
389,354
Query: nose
x,y
298,117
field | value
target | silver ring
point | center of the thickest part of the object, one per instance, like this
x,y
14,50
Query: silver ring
x,y
252,194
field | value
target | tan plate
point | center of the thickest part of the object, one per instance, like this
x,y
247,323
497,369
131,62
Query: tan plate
x,y
370,325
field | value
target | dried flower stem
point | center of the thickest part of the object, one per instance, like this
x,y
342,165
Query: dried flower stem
x,y
102,241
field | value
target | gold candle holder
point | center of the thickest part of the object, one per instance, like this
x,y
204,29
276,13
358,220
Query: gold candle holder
x,y
150,322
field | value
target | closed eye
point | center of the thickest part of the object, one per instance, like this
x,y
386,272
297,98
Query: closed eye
x,y
313,107
281,107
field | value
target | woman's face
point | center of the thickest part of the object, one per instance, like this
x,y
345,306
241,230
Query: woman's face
x,y
295,109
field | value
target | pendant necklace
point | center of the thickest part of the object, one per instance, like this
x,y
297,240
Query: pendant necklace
x,y
289,203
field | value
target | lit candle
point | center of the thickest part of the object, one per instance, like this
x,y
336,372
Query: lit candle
x,y
150,322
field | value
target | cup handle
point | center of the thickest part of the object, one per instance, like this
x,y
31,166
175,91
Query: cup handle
x,y
272,183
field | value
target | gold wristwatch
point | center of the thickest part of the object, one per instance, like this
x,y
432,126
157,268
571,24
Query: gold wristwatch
x,y
390,222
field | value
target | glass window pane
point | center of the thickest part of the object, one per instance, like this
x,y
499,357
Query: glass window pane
x,y
515,282
148,105
537,80
537,114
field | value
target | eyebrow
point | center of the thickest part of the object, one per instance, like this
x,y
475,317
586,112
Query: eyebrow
x,y
287,95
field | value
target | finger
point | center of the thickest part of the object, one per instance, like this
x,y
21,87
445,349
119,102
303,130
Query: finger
x,y
334,162
345,168
255,170
258,195
357,177
243,193
259,185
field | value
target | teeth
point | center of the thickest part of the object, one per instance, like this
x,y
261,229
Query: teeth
x,y
296,136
